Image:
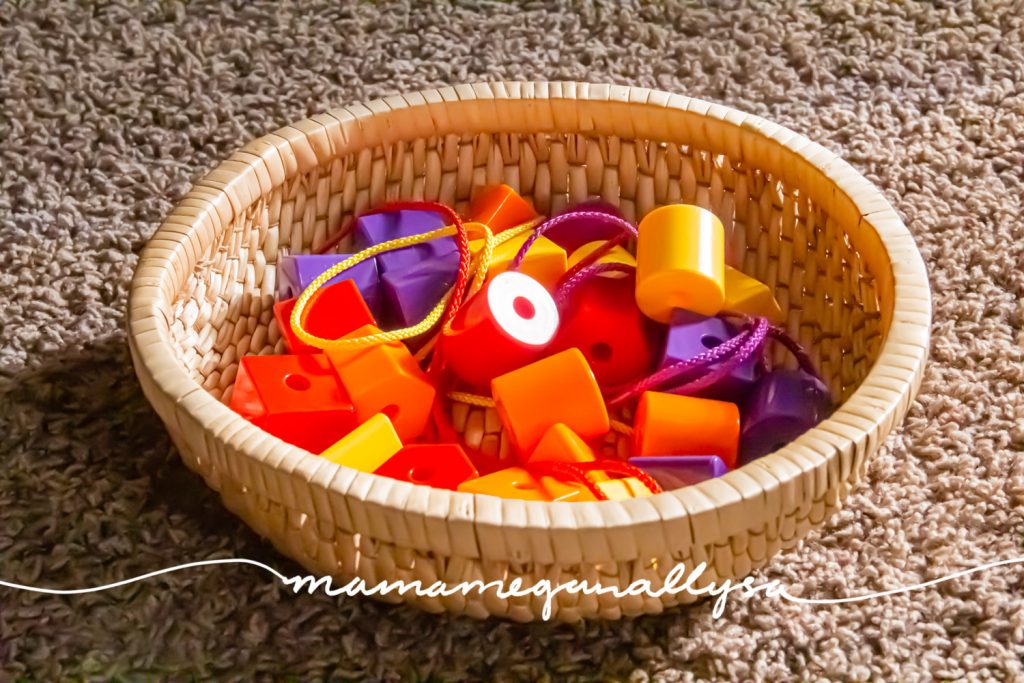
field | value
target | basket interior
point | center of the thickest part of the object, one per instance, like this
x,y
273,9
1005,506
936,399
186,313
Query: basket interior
x,y
775,232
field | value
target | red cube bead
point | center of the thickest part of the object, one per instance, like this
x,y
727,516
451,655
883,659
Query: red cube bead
x,y
441,465
331,313
296,398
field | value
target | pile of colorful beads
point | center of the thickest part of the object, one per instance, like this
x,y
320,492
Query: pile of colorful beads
x,y
555,324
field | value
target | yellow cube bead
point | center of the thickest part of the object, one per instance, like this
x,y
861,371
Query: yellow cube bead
x,y
744,294
559,491
366,447
545,262
515,482
621,489
618,254
680,262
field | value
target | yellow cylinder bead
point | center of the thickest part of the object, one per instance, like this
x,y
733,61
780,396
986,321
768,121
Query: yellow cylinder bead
x,y
680,262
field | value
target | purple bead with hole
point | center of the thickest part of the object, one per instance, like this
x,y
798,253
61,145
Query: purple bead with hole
x,y
410,294
375,228
690,334
784,405
573,233
677,471
296,272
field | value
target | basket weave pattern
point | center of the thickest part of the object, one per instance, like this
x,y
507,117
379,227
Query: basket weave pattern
x,y
844,268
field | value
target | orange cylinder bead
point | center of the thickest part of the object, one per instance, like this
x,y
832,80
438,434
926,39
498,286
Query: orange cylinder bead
x,y
670,424
680,262
559,388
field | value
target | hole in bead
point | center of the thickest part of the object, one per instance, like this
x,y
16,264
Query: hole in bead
x,y
710,341
297,382
391,411
601,351
421,475
523,307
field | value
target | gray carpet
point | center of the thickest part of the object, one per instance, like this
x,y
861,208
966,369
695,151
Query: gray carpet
x,y
110,112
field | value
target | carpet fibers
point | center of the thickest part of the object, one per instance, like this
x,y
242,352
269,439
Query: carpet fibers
x,y
110,111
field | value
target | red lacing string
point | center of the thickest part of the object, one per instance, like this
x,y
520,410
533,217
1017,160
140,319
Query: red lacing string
x,y
626,470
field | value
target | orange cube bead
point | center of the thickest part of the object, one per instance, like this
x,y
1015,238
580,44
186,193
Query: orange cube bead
x,y
515,482
499,207
561,444
366,447
331,313
385,378
670,424
559,388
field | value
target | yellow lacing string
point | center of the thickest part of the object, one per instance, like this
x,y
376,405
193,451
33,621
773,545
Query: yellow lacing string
x,y
621,427
488,402
471,399
483,263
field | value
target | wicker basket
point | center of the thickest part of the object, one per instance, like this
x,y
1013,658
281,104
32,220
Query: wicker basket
x,y
844,268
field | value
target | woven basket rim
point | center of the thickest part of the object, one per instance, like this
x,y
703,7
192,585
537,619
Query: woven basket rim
x,y
885,391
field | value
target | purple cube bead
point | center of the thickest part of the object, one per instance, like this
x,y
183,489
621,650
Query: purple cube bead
x,y
690,334
412,293
784,405
677,471
571,234
375,228
296,272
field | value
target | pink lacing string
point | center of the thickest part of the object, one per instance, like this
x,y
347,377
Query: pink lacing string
x,y
566,285
729,354
625,226
793,346
724,357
